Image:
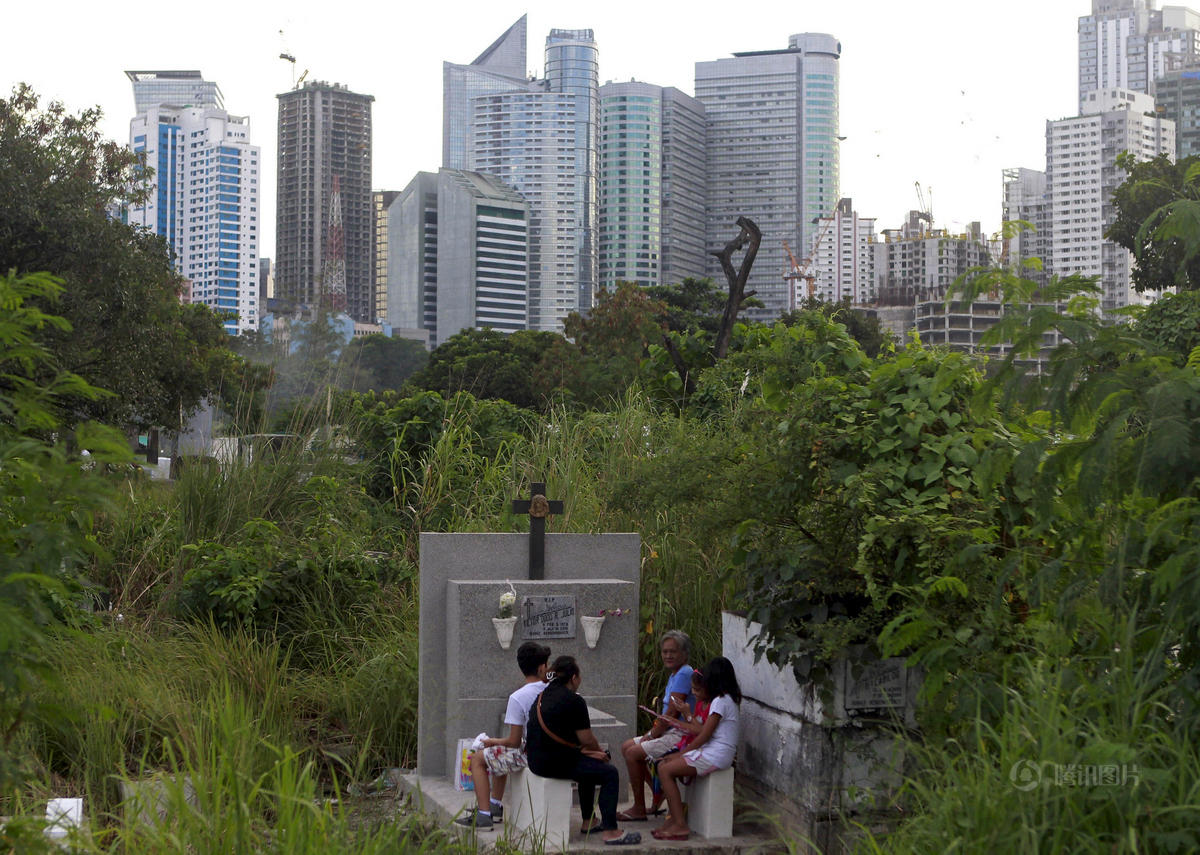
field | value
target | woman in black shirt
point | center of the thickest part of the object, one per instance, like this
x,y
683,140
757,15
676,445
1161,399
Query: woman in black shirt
x,y
559,744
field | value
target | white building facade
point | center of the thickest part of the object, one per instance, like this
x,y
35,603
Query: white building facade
x,y
843,259
1081,175
204,200
1128,44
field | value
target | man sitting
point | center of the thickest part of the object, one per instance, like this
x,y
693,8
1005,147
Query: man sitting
x,y
501,756
674,647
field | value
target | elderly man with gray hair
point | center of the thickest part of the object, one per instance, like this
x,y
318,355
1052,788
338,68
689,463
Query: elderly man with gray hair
x,y
675,647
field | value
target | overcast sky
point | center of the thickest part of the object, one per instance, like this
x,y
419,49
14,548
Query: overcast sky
x,y
944,92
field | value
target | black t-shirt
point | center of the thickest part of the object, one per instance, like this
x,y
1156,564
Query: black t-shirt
x,y
565,713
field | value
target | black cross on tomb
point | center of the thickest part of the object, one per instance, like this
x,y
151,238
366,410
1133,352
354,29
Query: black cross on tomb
x,y
538,507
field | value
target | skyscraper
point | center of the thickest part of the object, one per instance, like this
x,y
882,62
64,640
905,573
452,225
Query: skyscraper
x,y
630,184
573,66
1081,175
180,88
462,242
772,119
1128,44
539,138
684,193
204,196
500,68
651,185
325,158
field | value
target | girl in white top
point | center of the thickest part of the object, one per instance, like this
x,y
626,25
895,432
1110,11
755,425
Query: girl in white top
x,y
712,748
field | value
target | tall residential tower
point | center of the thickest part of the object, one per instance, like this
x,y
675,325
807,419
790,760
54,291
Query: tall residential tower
x,y
1081,176
1128,44
204,193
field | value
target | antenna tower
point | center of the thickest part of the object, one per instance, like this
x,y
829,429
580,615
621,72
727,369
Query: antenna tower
x,y
333,282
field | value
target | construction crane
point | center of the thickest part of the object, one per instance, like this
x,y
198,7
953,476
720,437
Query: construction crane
x,y
803,269
287,56
792,273
926,211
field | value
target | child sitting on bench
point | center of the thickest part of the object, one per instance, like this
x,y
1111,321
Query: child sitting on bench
x,y
711,749
501,756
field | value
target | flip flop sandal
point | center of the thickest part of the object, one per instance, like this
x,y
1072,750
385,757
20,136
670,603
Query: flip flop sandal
x,y
629,838
623,816
588,829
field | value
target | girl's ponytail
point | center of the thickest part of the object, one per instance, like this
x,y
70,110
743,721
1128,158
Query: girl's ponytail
x,y
562,671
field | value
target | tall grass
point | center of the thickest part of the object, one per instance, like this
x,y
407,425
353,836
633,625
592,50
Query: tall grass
x,y
267,723
1086,756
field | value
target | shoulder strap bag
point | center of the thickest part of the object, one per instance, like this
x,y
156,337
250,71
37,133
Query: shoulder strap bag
x,y
550,732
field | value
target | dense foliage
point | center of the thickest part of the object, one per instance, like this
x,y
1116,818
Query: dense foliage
x,y
1157,211
129,334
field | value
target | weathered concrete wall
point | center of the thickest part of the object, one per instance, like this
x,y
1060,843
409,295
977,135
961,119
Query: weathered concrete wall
x,y
814,757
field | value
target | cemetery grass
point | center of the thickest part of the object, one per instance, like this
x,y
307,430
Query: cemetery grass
x,y
274,703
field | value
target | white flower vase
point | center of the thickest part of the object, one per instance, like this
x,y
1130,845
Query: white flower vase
x,y
504,630
591,628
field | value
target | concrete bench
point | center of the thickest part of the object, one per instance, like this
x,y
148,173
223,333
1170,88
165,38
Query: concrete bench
x,y
710,804
538,810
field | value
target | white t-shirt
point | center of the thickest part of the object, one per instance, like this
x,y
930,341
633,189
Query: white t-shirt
x,y
520,703
721,746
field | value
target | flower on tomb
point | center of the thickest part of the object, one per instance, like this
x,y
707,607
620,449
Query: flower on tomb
x,y
507,600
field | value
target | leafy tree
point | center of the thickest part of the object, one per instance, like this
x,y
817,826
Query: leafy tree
x,y
129,334
381,362
491,364
1172,322
48,499
1158,220
613,339
864,328
693,305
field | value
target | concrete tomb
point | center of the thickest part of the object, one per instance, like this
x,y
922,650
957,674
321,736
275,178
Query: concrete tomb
x,y
466,675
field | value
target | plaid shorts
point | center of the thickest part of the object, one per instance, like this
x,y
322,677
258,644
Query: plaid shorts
x,y
500,760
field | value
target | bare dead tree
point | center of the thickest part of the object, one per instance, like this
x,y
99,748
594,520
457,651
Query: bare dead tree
x,y
749,238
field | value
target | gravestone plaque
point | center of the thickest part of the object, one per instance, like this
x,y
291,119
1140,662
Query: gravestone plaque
x,y
875,686
548,617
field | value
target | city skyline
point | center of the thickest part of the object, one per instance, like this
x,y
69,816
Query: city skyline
x,y
924,97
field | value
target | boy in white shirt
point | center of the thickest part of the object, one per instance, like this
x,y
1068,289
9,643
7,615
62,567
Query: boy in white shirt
x,y
501,756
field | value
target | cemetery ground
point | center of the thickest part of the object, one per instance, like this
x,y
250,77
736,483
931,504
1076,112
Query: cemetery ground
x,y
247,636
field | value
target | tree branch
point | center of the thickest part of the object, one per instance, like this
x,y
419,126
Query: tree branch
x,y
750,236
689,384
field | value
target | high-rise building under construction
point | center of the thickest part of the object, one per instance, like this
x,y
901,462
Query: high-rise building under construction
x,y
325,161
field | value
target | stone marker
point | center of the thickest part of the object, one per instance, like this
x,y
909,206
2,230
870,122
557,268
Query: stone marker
x,y
63,815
